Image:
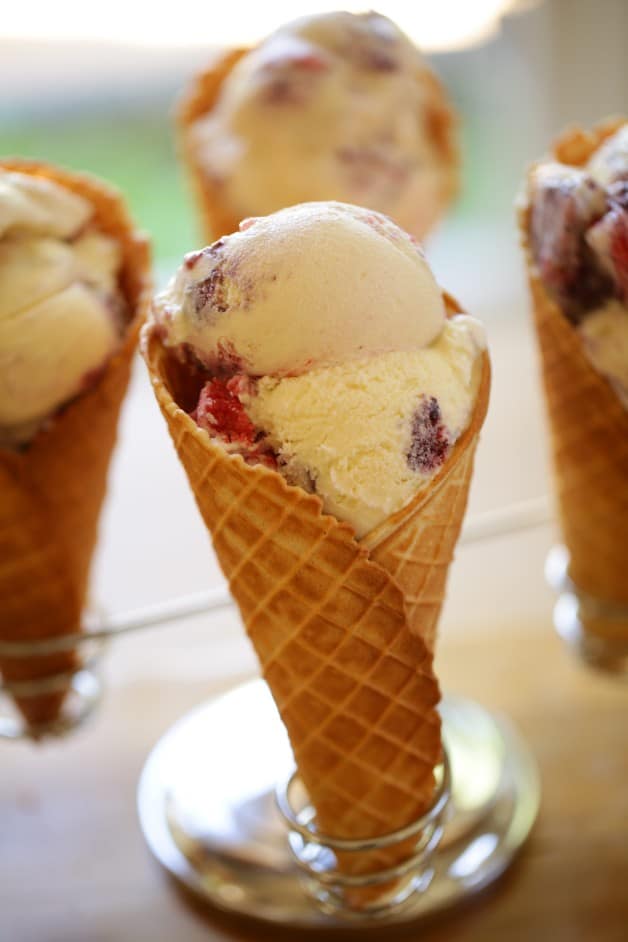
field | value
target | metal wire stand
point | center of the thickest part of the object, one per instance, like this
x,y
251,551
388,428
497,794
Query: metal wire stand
x,y
84,684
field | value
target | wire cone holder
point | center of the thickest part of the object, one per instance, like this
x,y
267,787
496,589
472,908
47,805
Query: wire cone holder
x,y
99,628
378,892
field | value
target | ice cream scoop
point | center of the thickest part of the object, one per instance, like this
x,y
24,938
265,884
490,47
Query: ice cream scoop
x,y
333,106
60,307
275,297
330,355
40,206
578,235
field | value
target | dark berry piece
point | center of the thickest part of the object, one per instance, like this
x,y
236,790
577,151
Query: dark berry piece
x,y
210,292
562,212
379,60
220,412
430,442
619,251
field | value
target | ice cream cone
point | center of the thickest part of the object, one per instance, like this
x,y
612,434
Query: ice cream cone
x,y
52,490
216,215
588,429
348,668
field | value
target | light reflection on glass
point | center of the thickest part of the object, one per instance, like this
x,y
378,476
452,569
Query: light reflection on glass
x,y
470,862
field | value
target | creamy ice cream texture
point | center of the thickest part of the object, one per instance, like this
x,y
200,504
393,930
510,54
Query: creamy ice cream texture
x,y
276,297
60,308
579,241
329,355
334,106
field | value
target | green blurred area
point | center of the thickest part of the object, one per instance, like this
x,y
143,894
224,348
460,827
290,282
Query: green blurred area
x,y
133,151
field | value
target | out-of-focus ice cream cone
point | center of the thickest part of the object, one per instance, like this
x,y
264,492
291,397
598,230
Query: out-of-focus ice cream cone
x,y
588,424
52,486
242,134
343,627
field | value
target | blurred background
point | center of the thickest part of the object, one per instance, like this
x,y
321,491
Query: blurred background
x,y
97,93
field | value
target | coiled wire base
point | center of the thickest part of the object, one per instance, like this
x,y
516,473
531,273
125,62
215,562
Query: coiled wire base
x,y
329,867
212,814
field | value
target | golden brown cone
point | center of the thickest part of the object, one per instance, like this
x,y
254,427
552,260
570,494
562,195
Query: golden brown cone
x,y
588,427
353,682
51,492
218,217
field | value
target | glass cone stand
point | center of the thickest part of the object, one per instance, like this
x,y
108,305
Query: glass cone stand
x,y
209,802
213,814
596,631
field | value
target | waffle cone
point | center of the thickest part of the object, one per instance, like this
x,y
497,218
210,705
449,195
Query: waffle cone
x,y
352,680
51,492
588,428
218,217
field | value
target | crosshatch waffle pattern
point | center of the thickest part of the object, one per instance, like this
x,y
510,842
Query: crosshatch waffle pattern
x,y
588,427
589,431
353,684
419,552
51,493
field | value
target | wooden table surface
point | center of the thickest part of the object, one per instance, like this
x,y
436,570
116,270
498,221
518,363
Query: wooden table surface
x,y
73,863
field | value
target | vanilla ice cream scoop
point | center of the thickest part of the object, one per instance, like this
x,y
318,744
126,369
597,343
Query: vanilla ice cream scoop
x,y
311,286
60,307
334,106
367,435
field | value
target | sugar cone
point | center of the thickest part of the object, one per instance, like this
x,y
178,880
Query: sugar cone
x,y
51,492
219,217
353,682
588,428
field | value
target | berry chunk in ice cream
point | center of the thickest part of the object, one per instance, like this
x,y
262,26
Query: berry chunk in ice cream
x,y
344,370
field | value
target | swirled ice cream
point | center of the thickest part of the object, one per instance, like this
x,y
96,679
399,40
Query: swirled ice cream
x,y
333,106
60,307
578,235
326,353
